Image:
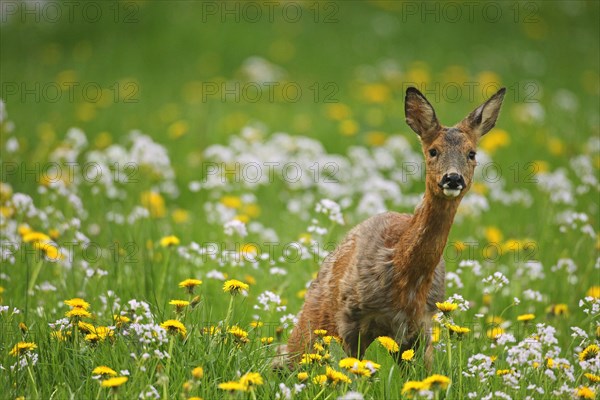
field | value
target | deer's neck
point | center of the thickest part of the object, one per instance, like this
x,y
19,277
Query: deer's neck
x,y
421,247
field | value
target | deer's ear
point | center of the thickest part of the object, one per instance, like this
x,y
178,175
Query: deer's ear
x,y
420,115
484,117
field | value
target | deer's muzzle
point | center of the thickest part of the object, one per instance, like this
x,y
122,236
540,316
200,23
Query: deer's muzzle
x,y
452,184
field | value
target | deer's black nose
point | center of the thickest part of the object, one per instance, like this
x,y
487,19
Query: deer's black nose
x,y
452,181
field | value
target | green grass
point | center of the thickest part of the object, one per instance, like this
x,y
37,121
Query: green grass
x,y
353,62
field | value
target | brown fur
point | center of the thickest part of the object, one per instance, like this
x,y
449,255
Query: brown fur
x,y
387,273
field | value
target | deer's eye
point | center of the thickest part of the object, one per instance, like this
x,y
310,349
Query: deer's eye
x,y
433,152
472,155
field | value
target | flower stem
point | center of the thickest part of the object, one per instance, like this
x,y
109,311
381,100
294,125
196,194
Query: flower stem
x,y
163,276
449,350
32,379
460,356
229,313
167,369
34,275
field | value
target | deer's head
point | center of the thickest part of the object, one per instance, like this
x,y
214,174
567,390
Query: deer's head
x,y
450,152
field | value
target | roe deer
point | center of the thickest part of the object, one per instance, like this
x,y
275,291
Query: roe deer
x,y
387,274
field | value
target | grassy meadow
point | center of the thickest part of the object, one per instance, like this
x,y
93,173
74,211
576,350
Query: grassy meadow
x,y
173,174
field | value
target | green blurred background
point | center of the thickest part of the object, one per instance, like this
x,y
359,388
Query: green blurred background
x,y
154,57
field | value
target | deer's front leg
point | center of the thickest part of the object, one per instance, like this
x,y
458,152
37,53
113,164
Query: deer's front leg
x,y
349,330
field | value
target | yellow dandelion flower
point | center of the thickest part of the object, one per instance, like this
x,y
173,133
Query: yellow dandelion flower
x,y
446,307
60,335
36,237
360,368
593,378
179,304
437,381
155,203
212,330
486,299
309,358
250,280
348,362
436,333
77,302
120,320
99,334
320,379
594,292
408,355
173,326
302,376
234,286
238,332
256,324
525,317
180,216
198,373
251,210
501,372
22,347
348,127
585,392
494,140
24,230
92,338
251,379
556,146
85,327
410,388
50,250
267,340
328,338
78,313
389,344
375,138
376,93
336,376
169,241
231,201
232,386
458,330
23,327
104,371
589,352
371,365
494,333
190,284
177,129
5,192
7,212
338,111
114,382
558,309
320,332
